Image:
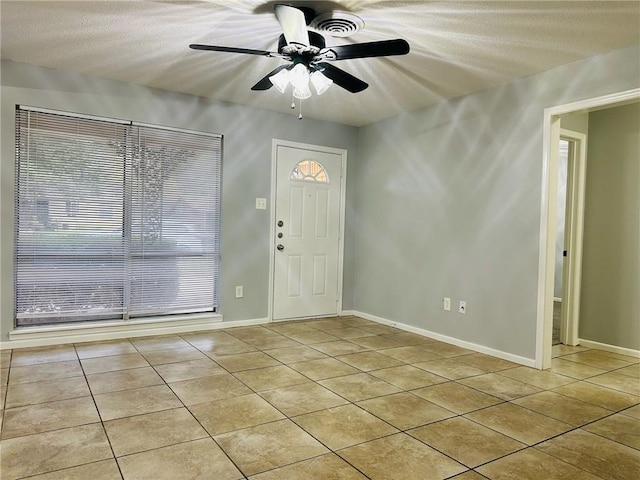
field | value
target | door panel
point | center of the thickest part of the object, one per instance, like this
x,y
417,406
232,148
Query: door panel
x,y
308,192
322,213
320,275
294,273
296,211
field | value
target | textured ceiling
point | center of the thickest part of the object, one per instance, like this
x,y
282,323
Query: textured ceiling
x,y
456,47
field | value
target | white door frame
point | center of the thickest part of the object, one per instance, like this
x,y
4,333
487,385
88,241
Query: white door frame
x,y
548,207
574,229
272,229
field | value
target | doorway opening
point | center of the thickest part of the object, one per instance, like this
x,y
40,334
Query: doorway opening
x,y
561,252
572,164
548,228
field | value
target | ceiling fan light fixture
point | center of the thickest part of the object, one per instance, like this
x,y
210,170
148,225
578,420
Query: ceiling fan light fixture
x,y
280,80
308,57
320,82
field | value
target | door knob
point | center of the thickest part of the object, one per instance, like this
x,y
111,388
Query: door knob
x,y
280,223
280,247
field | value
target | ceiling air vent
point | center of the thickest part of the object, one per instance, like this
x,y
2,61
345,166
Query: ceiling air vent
x,y
337,24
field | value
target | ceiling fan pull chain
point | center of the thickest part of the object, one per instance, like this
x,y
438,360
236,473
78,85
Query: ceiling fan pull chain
x,y
293,103
300,114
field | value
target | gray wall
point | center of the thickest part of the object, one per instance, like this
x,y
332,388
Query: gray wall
x,y
577,122
444,201
448,203
248,135
610,294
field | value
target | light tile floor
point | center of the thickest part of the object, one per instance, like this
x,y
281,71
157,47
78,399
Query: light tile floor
x,y
323,399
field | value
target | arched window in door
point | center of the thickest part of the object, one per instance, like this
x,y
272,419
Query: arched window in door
x,y
309,171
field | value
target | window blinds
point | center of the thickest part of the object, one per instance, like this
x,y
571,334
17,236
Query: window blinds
x,y
113,219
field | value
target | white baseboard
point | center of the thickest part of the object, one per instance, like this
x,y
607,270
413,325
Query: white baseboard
x,y
59,334
528,362
75,333
302,319
609,348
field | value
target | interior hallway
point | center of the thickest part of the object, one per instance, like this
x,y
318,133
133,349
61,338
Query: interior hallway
x,y
341,398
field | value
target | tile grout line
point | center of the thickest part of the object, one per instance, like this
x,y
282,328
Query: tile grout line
x,y
165,383
316,382
113,453
6,393
292,418
286,417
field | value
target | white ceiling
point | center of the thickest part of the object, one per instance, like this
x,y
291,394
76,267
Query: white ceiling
x,y
456,47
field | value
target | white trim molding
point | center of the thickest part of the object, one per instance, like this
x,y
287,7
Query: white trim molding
x,y
609,348
528,362
74,333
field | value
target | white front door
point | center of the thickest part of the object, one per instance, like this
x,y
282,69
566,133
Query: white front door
x,y
307,232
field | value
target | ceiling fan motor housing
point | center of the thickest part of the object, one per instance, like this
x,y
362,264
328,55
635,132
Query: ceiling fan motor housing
x,y
315,40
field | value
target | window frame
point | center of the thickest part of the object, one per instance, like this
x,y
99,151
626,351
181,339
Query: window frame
x,y
216,200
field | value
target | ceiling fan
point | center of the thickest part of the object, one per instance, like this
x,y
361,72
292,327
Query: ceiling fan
x,y
310,58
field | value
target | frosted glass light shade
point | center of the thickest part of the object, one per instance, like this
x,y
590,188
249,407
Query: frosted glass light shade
x,y
303,92
280,80
320,82
299,77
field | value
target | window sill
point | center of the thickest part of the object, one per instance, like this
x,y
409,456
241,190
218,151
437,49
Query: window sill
x,y
109,330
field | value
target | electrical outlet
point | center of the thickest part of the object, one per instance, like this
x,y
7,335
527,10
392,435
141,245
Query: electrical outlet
x,y
261,203
446,304
239,291
462,307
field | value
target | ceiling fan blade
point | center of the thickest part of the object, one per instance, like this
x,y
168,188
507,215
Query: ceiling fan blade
x,y
265,83
384,48
293,23
215,48
341,78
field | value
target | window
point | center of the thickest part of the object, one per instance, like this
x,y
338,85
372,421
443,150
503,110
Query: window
x,y
113,219
310,171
